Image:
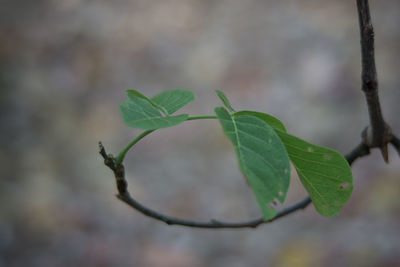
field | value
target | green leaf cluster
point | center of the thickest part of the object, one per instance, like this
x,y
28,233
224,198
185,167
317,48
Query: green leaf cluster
x,y
263,148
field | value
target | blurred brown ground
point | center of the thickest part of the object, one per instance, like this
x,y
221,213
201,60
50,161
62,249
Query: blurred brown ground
x,y
64,66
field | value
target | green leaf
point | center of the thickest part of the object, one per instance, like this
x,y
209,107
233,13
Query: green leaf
x,y
262,157
140,113
133,94
224,100
325,173
173,100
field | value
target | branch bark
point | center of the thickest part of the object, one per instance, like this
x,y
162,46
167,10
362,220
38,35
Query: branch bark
x,y
378,133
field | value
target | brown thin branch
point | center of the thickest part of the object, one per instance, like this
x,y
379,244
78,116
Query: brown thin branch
x,y
213,224
378,134
124,195
118,170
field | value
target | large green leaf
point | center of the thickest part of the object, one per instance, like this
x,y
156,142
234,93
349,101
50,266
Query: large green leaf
x,y
142,114
173,100
325,174
262,157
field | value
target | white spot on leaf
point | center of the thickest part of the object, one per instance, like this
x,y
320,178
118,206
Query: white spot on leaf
x,y
344,186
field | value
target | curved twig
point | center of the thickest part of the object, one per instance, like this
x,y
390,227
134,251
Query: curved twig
x,y
124,195
213,223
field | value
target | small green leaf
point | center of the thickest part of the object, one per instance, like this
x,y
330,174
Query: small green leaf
x,y
173,100
140,113
224,100
133,94
325,173
262,157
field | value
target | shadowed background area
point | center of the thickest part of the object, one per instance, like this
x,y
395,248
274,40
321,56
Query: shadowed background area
x,y
64,66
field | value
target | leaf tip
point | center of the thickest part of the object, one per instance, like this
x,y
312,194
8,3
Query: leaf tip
x,y
131,91
224,100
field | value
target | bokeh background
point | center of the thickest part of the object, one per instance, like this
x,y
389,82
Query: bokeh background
x,y
64,66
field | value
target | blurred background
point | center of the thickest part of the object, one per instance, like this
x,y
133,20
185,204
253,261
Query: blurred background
x,y
64,66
